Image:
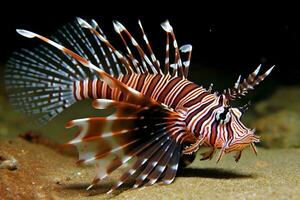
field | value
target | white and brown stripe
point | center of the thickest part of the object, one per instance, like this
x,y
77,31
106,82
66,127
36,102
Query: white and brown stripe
x,y
171,91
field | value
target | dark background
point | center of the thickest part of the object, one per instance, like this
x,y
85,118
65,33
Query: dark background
x,y
229,40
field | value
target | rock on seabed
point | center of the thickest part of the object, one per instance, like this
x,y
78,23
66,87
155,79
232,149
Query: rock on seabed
x,y
278,121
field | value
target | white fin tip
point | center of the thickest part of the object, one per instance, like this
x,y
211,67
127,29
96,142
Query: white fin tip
x,y
83,23
257,70
88,188
173,66
26,33
167,26
186,63
140,23
168,181
110,191
237,82
118,26
94,23
269,70
186,48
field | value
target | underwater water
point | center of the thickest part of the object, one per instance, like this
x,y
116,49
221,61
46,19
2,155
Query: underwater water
x,y
34,166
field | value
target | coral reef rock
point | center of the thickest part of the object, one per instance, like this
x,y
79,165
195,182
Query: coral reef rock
x,y
278,119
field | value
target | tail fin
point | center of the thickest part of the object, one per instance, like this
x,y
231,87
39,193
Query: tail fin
x,y
39,84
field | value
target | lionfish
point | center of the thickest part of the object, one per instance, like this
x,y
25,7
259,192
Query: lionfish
x,y
160,118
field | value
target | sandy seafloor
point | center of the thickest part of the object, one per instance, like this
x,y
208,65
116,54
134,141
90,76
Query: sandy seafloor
x,y
45,173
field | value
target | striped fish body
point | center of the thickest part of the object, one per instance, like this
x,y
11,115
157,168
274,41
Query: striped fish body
x,y
174,92
160,118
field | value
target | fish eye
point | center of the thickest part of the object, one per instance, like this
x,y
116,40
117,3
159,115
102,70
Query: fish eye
x,y
223,115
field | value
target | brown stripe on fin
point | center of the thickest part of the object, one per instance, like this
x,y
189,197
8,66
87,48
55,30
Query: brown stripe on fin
x,y
152,163
172,166
142,158
161,166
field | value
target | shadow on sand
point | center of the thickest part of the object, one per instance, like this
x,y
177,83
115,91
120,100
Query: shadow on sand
x,y
102,188
212,173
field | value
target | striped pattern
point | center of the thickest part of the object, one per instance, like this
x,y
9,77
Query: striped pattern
x,y
171,91
160,118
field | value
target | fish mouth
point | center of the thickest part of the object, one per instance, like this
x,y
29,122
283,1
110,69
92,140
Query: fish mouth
x,y
250,140
255,138
250,137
